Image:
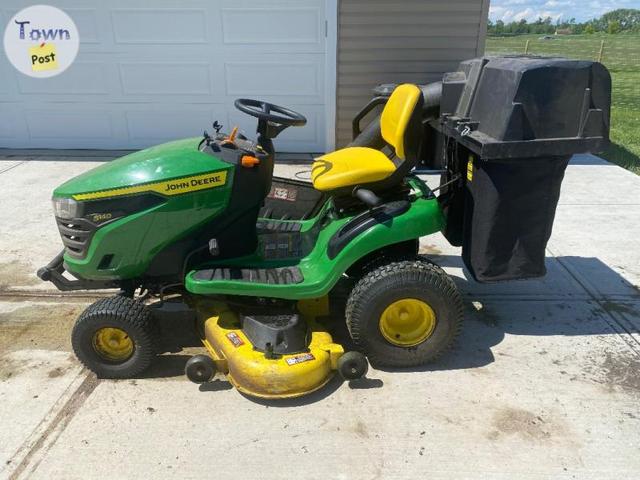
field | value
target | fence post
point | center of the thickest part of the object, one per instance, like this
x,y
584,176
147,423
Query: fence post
x,y
526,47
601,51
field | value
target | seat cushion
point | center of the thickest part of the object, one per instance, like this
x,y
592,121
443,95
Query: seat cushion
x,y
349,167
397,113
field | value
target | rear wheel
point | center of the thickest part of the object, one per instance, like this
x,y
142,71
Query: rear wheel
x,y
115,338
405,313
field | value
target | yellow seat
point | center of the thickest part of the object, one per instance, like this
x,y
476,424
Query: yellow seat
x,y
353,166
350,166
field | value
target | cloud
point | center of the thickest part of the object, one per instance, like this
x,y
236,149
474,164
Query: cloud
x,y
524,14
559,4
515,10
514,15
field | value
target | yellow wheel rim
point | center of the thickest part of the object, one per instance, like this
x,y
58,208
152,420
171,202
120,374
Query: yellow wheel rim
x,y
113,344
407,322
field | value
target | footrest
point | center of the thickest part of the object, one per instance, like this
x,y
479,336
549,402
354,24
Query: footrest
x,y
270,276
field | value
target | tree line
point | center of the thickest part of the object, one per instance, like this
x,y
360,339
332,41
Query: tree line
x,y
616,21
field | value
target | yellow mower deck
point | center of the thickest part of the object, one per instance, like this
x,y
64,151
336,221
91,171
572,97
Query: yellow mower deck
x,y
252,373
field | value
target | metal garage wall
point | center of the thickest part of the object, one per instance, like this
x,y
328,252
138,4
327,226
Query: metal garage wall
x,y
387,41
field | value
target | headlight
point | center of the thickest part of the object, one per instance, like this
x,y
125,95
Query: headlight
x,y
66,208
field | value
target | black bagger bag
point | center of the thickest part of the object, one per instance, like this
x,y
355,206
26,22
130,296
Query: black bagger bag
x,y
509,212
518,121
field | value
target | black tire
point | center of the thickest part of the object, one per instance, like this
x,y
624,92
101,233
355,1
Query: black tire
x,y
124,314
352,365
416,279
200,369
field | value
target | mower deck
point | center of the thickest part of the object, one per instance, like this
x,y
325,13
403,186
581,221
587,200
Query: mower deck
x,y
259,374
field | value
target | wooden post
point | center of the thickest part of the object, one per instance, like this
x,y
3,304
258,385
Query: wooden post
x,y
601,51
526,47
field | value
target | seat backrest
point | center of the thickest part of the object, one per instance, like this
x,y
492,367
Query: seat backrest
x,y
400,121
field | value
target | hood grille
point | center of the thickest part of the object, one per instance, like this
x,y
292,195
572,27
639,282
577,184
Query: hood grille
x,y
76,235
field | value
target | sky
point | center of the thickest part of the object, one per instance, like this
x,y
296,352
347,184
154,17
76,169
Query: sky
x,y
516,10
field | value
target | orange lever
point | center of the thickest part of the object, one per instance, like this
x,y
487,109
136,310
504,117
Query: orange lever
x,y
232,137
249,161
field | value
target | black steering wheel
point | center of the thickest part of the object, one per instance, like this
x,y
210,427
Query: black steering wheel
x,y
270,112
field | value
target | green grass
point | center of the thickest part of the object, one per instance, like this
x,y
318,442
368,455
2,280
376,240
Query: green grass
x,y
621,55
625,139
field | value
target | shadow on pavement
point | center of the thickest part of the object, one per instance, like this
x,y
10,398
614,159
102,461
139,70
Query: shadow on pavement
x,y
166,366
216,385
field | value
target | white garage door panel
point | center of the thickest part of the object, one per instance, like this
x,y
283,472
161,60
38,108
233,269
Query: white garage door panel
x,y
65,123
168,78
85,78
12,124
282,25
159,26
149,72
88,25
276,78
166,122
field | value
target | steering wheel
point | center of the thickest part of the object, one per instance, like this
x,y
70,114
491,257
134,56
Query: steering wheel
x,y
270,112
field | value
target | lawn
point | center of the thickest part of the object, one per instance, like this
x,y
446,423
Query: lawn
x,y
621,55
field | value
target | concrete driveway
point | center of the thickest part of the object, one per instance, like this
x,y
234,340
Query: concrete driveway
x,y
543,383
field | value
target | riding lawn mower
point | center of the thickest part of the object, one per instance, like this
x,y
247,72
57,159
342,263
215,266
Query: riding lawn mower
x,y
257,257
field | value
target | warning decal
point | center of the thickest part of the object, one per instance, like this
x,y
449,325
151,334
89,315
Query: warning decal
x,y
305,357
283,193
235,339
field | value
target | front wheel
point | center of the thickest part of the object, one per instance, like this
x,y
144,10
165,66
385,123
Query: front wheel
x,y
115,338
405,313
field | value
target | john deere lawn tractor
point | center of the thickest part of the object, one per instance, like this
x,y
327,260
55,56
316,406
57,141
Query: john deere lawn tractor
x,y
257,258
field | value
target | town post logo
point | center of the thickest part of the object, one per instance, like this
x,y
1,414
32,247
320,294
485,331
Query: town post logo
x,y
41,41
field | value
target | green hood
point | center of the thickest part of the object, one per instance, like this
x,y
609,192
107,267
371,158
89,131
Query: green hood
x,y
170,160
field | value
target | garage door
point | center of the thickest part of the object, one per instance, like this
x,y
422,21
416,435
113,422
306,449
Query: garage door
x,y
152,71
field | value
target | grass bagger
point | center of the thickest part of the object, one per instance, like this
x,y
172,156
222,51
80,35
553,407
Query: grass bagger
x,y
204,222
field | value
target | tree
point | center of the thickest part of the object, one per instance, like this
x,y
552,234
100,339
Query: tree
x,y
522,27
613,27
627,18
548,25
616,21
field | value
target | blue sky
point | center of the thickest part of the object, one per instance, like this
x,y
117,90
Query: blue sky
x,y
510,10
